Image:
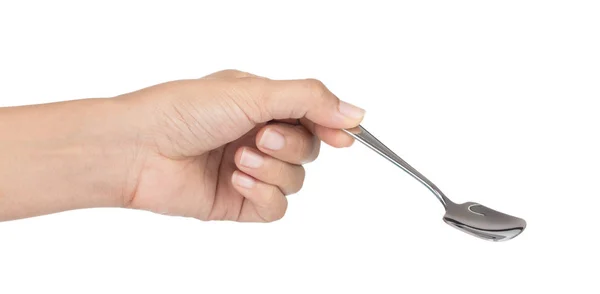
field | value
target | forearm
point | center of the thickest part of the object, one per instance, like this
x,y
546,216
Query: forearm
x,y
64,156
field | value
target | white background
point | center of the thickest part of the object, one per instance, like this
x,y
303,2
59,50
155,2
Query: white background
x,y
495,101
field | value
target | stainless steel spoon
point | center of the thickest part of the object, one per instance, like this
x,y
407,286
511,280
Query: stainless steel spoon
x,y
470,217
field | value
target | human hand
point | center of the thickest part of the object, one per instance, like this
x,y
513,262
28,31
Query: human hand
x,y
230,146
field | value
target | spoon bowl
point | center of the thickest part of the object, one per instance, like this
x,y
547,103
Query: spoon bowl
x,y
483,222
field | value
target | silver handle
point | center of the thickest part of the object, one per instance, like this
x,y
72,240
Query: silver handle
x,y
363,136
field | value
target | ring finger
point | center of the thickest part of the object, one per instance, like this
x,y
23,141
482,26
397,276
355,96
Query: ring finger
x,y
288,177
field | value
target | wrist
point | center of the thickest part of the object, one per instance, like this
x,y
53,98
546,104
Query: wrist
x,y
64,156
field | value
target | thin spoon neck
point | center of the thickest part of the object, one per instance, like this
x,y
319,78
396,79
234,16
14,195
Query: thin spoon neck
x,y
439,195
366,138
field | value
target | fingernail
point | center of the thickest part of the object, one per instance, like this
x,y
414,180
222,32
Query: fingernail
x,y
251,159
272,140
350,110
243,180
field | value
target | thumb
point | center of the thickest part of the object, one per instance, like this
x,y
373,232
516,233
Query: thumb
x,y
309,98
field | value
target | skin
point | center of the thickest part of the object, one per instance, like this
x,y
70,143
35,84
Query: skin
x,y
205,148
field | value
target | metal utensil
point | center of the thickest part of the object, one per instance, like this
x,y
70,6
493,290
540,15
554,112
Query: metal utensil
x,y
470,217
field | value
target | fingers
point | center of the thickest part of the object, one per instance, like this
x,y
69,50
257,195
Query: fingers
x,y
310,98
333,137
263,202
264,177
290,143
292,99
286,176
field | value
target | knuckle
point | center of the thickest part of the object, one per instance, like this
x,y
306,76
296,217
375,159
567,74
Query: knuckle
x,y
273,216
298,140
315,149
299,181
303,149
258,89
225,74
278,214
307,145
248,95
316,88
229,72
257,86
275,211
279,170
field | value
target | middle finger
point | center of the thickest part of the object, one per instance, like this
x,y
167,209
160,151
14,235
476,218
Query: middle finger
x,y
286,176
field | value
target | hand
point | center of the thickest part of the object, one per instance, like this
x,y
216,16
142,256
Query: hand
x,y
213,151
229,146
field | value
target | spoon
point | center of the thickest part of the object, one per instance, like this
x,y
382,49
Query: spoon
x,y
469,217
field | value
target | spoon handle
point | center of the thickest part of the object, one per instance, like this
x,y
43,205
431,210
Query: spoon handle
x,y
363,136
